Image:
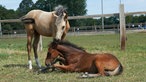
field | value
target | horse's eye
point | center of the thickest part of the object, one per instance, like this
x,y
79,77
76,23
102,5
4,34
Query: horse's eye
x,y
63,27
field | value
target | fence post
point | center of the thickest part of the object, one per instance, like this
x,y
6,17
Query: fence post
x,y
122,27
0,29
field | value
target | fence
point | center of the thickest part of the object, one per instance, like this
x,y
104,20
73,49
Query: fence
x,y
122,15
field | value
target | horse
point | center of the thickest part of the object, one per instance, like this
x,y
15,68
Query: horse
x,y
76,59
51,24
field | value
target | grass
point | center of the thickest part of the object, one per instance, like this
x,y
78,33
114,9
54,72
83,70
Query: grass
x,y
13,59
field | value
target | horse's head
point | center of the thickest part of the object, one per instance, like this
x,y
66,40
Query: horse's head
x,y
61,21
51,55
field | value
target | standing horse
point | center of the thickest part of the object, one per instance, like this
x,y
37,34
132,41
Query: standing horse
x,y
52,24
76,59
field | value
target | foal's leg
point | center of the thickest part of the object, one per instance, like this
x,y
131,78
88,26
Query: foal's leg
x,y
29,29
35,46
86,75
100,68
65,67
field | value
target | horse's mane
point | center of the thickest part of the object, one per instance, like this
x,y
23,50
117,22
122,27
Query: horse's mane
x,y
59,10
67,43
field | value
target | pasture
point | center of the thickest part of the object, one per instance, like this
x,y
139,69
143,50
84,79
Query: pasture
x,y
13,59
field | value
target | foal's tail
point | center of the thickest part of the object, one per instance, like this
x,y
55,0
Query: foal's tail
x,y
117,71
27,20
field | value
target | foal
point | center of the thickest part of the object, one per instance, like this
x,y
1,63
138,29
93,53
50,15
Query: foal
x,y
76,59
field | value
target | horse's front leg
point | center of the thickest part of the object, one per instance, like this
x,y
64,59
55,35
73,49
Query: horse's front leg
x,y
64,67
61,60
35,47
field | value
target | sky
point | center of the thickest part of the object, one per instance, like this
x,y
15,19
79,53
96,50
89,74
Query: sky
x,y
94,6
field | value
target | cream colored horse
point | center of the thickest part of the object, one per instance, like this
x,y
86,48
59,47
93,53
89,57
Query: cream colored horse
x,y
52,24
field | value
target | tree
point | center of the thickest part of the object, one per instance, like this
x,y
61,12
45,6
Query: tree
x,y
111,20
24,7
40,4
3,12
46,5
51,4
74,8
142,18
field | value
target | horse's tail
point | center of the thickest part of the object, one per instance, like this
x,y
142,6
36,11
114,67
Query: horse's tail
x,y
117,71
27,20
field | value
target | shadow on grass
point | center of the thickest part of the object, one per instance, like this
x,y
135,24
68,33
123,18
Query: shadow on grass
x,y
15,65
25,66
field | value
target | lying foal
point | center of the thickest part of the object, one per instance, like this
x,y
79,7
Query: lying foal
x,y
76,59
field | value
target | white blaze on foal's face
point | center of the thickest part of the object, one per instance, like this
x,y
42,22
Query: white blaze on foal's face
x,y
60,24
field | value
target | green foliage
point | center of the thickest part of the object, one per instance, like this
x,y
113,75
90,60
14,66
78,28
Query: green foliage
x,y
111,20
74,8
136,19
3,12
9,14
24,7
42,5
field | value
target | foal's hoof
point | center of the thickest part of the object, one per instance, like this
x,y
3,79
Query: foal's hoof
x,y
84,75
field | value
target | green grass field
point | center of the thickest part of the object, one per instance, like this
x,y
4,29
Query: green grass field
x,y
13,59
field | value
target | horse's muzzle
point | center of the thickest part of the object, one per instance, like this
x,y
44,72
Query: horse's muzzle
x,y
48,66
56,40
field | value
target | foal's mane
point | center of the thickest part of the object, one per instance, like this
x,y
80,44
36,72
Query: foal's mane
x,y
67,43
60,10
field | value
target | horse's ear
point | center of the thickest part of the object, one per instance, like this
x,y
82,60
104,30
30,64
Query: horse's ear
x,y
67,25
54,15
65,16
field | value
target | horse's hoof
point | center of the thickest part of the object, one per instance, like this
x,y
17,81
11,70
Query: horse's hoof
x,y
43,70
40,69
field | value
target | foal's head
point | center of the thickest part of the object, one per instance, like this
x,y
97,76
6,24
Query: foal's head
x,y
51,55
61,20
61,48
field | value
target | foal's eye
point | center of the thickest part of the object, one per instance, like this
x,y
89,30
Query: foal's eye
x,y
63,27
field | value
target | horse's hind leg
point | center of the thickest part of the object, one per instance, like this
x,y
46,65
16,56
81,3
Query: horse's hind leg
x,y
35,47
29,29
